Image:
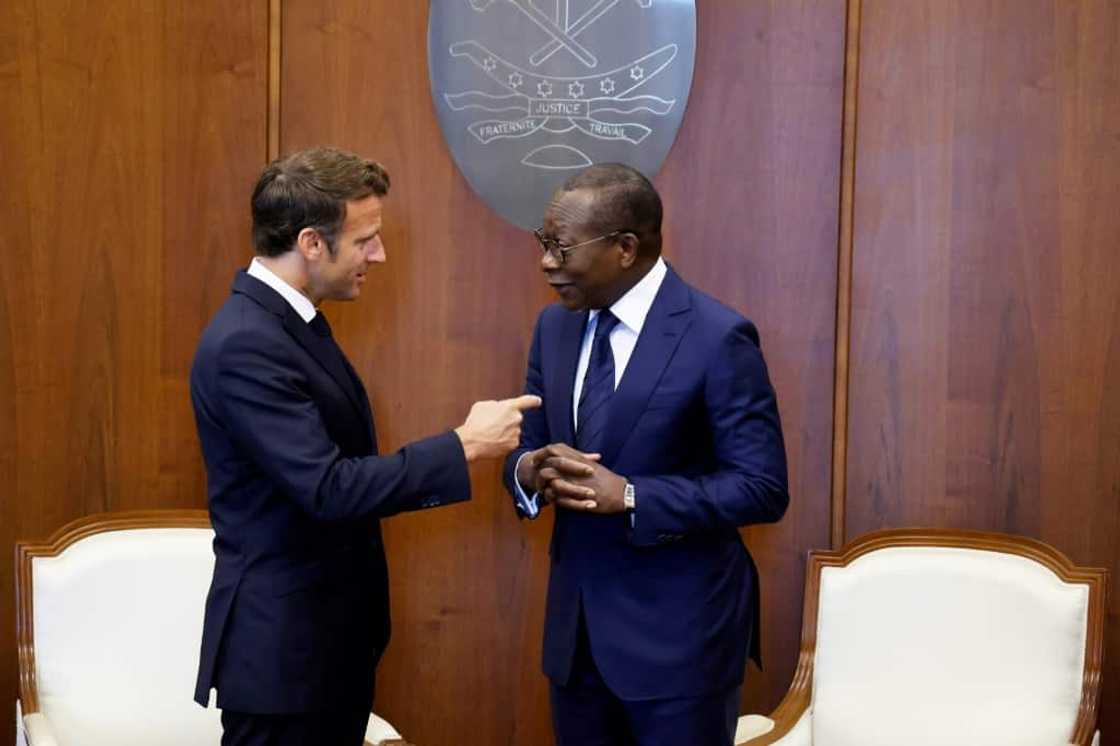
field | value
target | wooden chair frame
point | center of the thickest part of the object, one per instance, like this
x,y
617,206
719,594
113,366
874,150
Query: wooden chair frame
x,y
800,693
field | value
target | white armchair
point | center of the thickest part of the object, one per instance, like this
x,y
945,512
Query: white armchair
x,y
934,638
109,622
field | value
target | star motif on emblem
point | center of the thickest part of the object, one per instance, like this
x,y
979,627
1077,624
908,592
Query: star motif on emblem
x,y
637,73
575,90
607,86
515,80
489,64
544,89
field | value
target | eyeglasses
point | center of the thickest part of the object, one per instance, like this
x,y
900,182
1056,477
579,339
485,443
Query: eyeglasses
x,y
559,251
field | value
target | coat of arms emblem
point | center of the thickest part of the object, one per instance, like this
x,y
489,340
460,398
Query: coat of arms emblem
x,y
529,91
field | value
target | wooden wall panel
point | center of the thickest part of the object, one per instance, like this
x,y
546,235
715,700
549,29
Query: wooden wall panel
x,y
130,133
443,323
985,309
752,195
751,190
986,290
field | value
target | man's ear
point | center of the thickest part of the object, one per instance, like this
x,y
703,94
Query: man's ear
x,y
310,244
628,244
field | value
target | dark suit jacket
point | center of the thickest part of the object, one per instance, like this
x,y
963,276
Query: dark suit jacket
x,y
298,611
671,605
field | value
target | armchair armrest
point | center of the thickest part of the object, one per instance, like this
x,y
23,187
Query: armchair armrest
x,y
21,737
39,730
378,731
793,730
752,726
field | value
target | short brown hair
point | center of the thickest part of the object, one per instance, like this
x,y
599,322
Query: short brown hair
x,y
310,189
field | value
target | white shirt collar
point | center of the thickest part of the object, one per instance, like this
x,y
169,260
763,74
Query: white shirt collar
x,y
297,300
633,307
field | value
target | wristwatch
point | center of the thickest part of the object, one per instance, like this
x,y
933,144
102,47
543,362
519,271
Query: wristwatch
x,y
628,497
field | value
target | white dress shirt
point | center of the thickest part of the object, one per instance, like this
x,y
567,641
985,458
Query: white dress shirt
x,y
297,300
631,310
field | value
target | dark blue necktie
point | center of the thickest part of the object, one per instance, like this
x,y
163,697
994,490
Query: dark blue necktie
x,y
319,325
598,387
335,356
335,359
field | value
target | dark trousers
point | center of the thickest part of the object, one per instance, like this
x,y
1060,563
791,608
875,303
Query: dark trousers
x,y
586,713
311,729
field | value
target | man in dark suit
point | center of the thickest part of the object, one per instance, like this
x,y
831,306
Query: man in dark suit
x,y
658,439
298,611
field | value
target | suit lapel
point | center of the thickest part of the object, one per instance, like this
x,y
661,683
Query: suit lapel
x,y
363,402
668,319
322,349
325,352
564,377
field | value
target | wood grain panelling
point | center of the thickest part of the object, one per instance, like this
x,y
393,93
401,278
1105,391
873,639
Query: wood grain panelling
x,y
985,309
444,322
130,133
986,289
751,189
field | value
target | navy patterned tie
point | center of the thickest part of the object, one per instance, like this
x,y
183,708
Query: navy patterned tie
x,y
598,387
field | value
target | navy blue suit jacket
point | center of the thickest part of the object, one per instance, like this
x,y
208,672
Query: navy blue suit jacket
x,y
671,604
298,611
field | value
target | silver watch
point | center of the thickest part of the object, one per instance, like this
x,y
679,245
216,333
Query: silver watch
x,y
628,497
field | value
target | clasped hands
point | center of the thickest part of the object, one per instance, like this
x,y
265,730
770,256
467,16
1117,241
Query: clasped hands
x,y
572,479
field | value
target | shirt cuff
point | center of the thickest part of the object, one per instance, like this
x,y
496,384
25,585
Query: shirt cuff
x,y
528,505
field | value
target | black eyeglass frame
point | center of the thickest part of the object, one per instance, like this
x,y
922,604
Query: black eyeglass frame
x,y
560,252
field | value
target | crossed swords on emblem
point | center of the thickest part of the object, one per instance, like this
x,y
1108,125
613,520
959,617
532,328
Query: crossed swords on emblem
x,y
541,99
563,32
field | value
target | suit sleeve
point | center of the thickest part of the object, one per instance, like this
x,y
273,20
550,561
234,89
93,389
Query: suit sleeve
x,y
534,427
749,484
272,418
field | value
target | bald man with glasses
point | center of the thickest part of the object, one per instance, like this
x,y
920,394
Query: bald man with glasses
x,y
659,437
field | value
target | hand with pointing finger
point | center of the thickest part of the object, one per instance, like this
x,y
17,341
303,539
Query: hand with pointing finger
x,y
493,428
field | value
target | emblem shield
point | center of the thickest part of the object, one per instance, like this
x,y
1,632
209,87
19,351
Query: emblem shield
x,y
528,92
